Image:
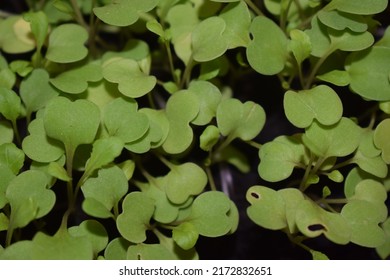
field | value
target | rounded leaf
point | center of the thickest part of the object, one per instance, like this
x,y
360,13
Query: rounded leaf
x,y
381,139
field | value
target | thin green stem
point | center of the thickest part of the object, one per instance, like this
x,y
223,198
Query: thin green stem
x,y
187,73
254,144
302,185
16,133
213,187
333,200
78,15
316,67
283,17
254,7
343,164
170,60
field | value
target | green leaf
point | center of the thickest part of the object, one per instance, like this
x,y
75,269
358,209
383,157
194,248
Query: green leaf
x,y
12,157
209,138
58,171
66,43
267,207
6,132
341,21
94,232
4,224
350,41
36,91
15,35
134,220
313,221
73,123
238,20
363,218
300,45
183,181
134,49
210,214
75,81
318,34
21,67
122,12
384,249
321,103
39,26
279,157
10,104
107,188
338,140
208,41
318,255
149,252
6,176
267,52
367,7
235,157
132,82
104,151
369,73
121,119
372,165
29,198
185,235
240,120
117,249
182,107
381,137
38,146
336,77
209,98
336,176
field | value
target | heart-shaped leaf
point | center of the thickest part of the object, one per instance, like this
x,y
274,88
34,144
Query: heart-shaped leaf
x,y
124,12
363,218
373,165
132,223
76,80
267,53
350,41
122,120
267,207
313,221
36,91
208,41
107,188
73,123
210,214
132,82
39,26
358,7
66,43
384,249
94,232
29,197
117,249
336,77
381,137
321,103
209,98
279,157
38,146
369,73
185,235
240,120
182,107
12,157
338,140
183,181
341,20
318,34
11,42
292,198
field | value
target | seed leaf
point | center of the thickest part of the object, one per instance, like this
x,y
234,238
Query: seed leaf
x,y
185,235
341,20
371,84
267,208
300,45
76,80
240,120
12,157
381,137
10,104
210,214
132,223
39,26
184,181
107,188
338,140
36,91
117,249
267,52
358,7
122,12
66,44
73,123
29,197
384,249
132,82
321,103
38,146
